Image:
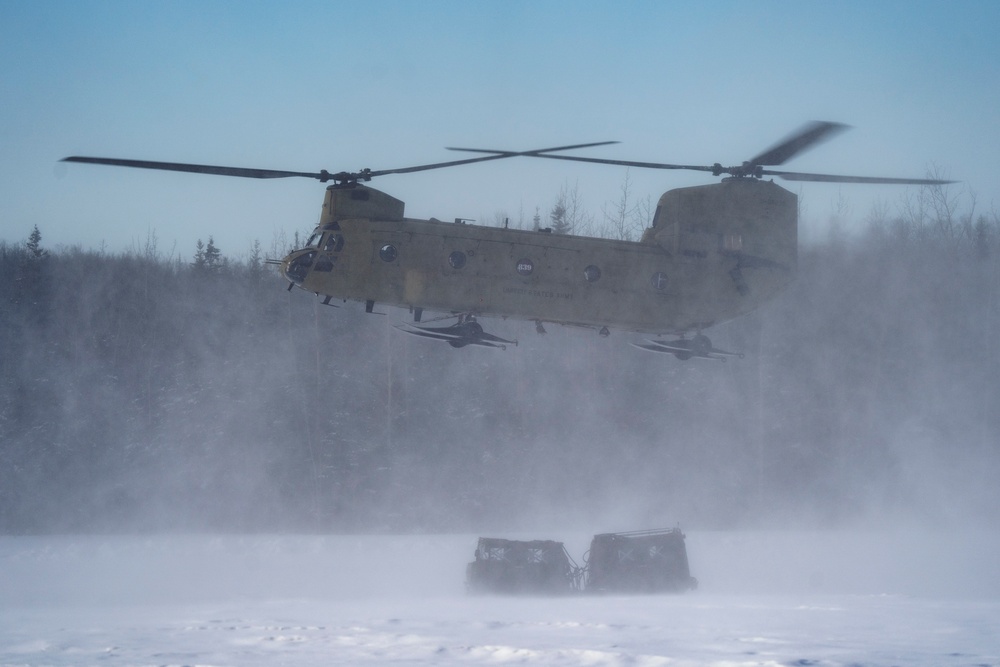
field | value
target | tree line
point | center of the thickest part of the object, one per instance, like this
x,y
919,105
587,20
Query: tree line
x,y
139,392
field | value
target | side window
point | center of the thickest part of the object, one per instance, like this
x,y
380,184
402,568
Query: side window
x,y
334,243
388,253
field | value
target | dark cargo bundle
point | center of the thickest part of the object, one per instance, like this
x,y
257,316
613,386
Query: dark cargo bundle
x,y
647,561
512,566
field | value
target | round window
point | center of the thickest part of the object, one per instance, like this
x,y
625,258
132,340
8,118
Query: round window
x,y
456,259
592,273
525,267
388,253
659,280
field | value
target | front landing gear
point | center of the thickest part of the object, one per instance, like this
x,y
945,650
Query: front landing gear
x,y
467,331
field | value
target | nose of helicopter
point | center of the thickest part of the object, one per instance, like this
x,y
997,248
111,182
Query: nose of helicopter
x,y
295,266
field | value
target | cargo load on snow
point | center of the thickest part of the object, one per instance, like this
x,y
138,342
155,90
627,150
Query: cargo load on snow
x,y
513,566
650,561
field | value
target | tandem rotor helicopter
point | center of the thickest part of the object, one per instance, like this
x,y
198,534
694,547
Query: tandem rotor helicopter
x,y
713,253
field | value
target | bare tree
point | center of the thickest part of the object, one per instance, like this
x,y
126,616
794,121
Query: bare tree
x,y
279,244
625,220
500,218
842,212
642,214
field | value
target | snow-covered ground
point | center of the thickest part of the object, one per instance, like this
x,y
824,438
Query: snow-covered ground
x,y
765,598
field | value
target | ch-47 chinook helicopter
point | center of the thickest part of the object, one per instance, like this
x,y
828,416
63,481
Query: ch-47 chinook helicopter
x,y
713,253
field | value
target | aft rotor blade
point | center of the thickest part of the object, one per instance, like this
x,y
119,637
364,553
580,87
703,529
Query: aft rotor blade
x,y
805,138
195,168
831,178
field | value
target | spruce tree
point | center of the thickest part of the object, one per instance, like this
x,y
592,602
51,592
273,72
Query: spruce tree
x,y
199,257
213,256
35,245
560,225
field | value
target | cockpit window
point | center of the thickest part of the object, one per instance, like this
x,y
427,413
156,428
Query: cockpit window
x,y
299,267
313,240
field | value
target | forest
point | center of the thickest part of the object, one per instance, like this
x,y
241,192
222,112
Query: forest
x,y
152,393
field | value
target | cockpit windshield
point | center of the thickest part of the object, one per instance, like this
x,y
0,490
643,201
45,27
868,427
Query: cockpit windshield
x,y
298,267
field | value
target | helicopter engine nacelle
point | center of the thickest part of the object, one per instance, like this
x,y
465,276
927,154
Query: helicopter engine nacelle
x,y
353,201
738,215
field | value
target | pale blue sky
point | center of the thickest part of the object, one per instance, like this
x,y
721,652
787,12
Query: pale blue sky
x,y
341,86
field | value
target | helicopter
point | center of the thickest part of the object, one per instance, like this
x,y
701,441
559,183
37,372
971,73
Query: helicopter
x,y
713,253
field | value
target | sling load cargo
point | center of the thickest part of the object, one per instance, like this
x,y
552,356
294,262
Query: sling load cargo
x,y
513,566
647,561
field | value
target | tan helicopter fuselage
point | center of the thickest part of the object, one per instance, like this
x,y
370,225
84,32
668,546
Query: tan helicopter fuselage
x,y
714,252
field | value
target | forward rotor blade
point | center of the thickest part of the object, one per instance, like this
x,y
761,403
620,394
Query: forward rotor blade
x,y
494,155
596,160
322,176
194,168
831,178
805,138
534,152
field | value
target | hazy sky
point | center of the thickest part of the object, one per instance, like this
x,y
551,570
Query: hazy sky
x,y
345,85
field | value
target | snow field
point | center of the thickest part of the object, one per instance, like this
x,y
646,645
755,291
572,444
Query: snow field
x,y
764,599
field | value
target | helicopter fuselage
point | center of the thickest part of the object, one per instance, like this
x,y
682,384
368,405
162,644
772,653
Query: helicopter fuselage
x,y
713,253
